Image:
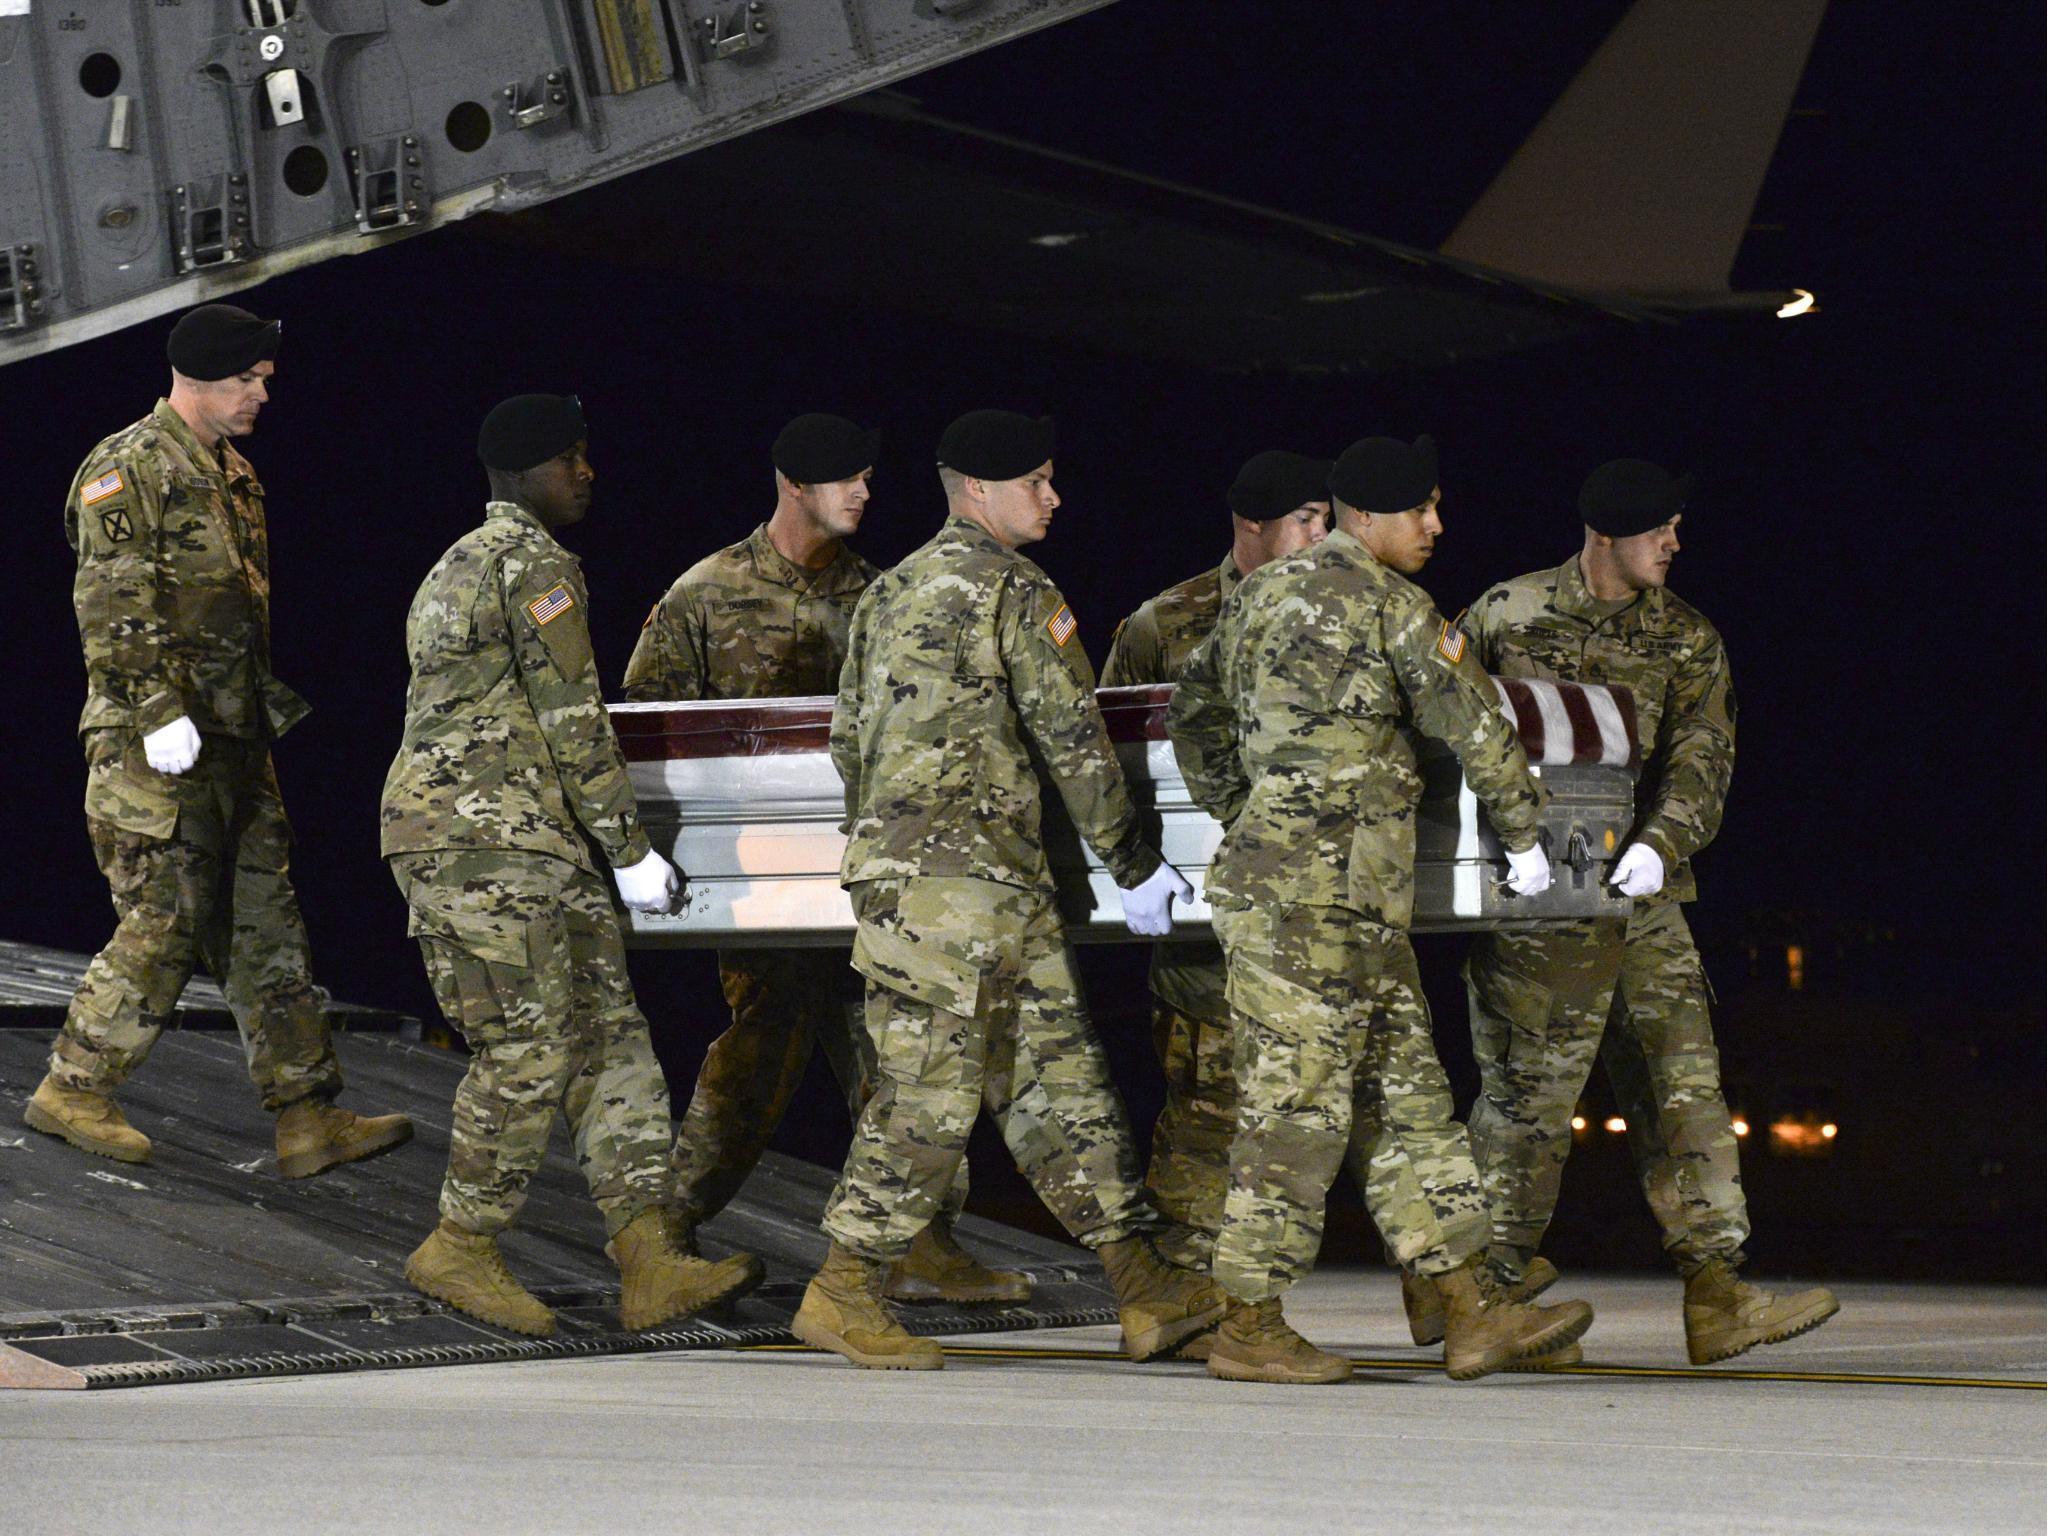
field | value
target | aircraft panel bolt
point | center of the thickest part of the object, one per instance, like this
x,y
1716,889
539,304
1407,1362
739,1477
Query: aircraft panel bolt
x,y
419,181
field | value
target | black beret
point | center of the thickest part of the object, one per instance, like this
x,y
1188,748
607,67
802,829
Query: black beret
x,y
1274,483
218,341
1624,497
530,429
818,449
1384,474
996,445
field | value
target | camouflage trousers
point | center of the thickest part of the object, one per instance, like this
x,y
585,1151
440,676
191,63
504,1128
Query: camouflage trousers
x,y
526,960
1543,1004
972,1000
785,1003
1193,1033
1334,1053
199,866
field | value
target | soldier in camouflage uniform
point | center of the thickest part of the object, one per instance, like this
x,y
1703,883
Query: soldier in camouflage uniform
x,y
964,672
507,790
1544,1003
767,618
1291,724
1279,503
181,800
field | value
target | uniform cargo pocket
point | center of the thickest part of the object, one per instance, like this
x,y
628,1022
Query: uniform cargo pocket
x,y
497,940
920,971
121,788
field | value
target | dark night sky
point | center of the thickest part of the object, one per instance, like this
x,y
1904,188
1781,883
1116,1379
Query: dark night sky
x,y
1869,537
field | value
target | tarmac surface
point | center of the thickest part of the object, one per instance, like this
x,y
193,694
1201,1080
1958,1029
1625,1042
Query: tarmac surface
x,y
1051,1433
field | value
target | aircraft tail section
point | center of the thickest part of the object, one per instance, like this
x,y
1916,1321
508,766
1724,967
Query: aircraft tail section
x,y
1641,179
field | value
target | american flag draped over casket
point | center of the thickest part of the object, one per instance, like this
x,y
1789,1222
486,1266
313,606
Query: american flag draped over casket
x,y
743,797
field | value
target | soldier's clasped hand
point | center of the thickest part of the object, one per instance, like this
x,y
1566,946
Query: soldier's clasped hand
x,y
1529,871
649,886
1148,908
172,748
1639,871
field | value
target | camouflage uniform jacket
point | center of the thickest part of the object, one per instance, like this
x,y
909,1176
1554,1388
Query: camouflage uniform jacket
x,y
173,585
1153,644
747,623
507,744
1547,625
964,671
1293,724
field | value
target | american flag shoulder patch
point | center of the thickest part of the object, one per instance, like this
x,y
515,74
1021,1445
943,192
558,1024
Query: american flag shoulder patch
x,y
1451,643
1061,626
551,604
109,484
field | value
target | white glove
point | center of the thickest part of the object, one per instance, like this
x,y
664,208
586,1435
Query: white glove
x,y
1148,908
172,748
1529,871
1639,871
649,886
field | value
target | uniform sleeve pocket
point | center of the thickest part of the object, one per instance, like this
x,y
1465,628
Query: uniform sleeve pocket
x,y
1366,688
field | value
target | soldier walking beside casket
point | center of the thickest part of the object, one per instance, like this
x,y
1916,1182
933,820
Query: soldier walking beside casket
x,y
767,618
1291,727
1543,1003
1279,503
964,672
507,790
181,800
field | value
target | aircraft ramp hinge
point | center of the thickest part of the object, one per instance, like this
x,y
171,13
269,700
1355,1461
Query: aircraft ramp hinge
x,y
730,31
210,222
952,8
21,288
389,181
530,103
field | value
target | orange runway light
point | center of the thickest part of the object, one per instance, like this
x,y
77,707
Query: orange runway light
x,y
1578,1122
1616,1124
1739,1125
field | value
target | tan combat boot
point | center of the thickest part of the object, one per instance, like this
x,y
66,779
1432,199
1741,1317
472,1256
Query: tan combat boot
x,y
843,1311
1254,1343
314,1136
1725,1314
1426,1312
1158,1304
1485,1330
465,1270
937,1268
91,1122
663,1282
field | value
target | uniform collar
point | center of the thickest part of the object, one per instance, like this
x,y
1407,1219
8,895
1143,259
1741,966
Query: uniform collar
x,y
512,512
1228,575
771,564
227,462
959,530
1570,597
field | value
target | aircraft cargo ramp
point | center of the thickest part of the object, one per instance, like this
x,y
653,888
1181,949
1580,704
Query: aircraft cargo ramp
x,y
203,1265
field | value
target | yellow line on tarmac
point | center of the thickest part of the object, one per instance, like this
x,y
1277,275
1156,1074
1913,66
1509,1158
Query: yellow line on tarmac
x,y
1652,1372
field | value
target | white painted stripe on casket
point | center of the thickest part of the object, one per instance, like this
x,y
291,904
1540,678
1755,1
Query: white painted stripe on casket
x,y
1468,875
1613,730
1557,725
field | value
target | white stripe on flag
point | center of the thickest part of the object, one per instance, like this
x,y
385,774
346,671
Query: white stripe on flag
x,y
1557,725
1613,732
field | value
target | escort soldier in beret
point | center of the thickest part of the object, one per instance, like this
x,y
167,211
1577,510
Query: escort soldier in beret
x,y
1633,991
181,800
1279,503
1291,726
505,807
964,666
767,618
